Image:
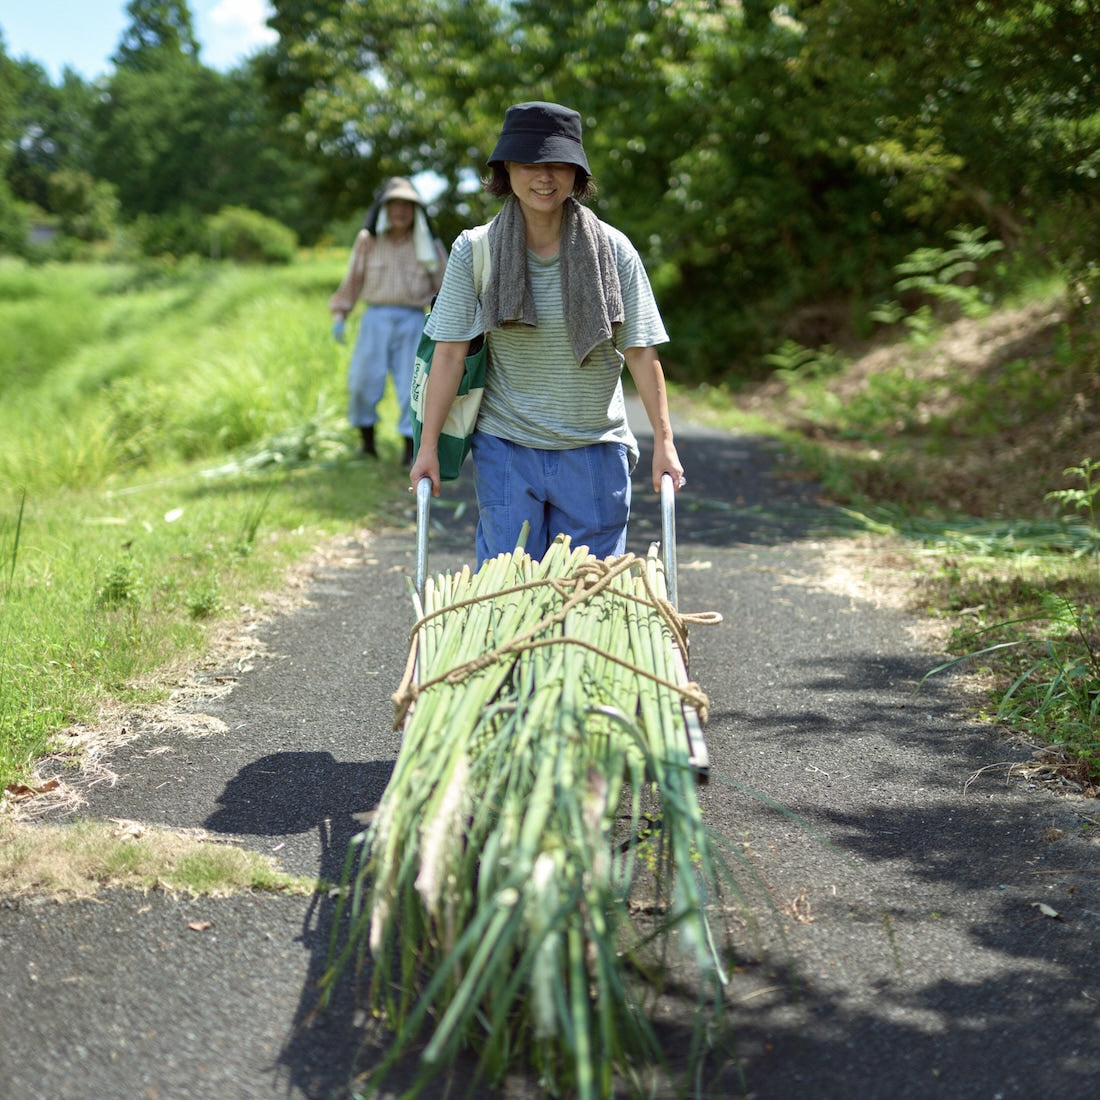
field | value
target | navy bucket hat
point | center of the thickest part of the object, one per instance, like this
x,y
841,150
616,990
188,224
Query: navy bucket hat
x,y
537,133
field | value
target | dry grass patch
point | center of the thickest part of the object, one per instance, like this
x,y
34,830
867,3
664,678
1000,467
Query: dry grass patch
x,y
78,860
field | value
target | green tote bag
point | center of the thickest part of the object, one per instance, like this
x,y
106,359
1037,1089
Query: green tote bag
x,y
454,440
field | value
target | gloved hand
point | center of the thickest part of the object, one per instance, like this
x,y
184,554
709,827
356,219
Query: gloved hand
x,y
338,330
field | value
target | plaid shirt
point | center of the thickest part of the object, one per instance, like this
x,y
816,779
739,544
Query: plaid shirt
x,y
386,272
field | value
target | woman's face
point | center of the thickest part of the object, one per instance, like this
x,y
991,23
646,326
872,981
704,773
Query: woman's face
x,y
400,213
541,188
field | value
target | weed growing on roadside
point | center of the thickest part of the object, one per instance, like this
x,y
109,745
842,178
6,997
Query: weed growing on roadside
x,y
79,859
119,587
13,557
1050,658
205,601
251,524
1057,698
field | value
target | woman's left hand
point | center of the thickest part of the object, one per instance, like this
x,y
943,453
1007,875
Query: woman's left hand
x,y
667,461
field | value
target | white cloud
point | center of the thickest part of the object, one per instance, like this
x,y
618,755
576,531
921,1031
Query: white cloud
x,y
232,29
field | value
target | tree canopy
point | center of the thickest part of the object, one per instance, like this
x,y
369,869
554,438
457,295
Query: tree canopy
x,y
758,153
761,155
159,31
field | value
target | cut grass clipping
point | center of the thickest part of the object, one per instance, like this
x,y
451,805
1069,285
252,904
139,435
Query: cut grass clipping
x,y
77,861
510,887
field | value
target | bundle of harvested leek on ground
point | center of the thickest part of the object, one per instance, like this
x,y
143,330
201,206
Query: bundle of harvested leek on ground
x,y
495,888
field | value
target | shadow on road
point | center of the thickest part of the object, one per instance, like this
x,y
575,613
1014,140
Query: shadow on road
x,y
296,792
737,492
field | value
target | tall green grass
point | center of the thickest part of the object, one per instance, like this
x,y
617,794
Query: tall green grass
x,y
171,439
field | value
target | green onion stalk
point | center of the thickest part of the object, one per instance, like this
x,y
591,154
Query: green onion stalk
x,y
494,896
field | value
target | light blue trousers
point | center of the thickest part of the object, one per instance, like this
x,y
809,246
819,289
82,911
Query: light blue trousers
x,y
386,344
583,492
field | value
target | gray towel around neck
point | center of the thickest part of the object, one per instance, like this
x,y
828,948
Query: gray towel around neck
x,y
590,292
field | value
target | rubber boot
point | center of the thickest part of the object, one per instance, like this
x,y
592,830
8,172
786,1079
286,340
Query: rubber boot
x,y
368,441
410,452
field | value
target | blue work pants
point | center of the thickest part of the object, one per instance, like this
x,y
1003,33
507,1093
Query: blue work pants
x,y
386,344
583,492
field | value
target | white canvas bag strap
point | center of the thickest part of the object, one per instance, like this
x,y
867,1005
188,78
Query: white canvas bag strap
x,y
483,261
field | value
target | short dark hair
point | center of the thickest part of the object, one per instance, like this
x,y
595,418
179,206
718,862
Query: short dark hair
x,y
499,185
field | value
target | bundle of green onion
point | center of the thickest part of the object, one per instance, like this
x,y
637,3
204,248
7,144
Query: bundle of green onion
x,y
496,886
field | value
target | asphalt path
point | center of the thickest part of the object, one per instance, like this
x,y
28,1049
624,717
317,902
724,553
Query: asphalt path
x,y
900,950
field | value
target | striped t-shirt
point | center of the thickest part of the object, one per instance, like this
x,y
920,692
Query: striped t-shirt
x,y
536,394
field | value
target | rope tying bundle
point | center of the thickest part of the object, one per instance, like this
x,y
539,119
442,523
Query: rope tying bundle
x,y
592,578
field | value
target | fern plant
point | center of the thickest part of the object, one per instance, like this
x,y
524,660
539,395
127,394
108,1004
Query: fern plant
x,y
936,273
792,362
1083,499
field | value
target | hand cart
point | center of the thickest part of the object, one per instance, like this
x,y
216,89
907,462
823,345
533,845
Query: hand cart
x,y
693,726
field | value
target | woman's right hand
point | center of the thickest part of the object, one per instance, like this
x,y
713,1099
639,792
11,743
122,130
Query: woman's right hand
x,y
425,464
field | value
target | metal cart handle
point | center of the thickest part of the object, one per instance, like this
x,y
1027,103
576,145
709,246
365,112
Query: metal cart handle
x,y
423,509
668,534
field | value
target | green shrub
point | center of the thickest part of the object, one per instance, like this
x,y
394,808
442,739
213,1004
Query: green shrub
x,y
14,222
177,234
237,233
86,208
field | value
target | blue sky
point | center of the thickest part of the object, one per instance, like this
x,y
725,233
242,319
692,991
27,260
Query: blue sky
x,y
83,34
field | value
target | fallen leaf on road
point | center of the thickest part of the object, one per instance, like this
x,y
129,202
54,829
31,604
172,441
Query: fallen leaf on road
x,y
1046,910
200,925
24,790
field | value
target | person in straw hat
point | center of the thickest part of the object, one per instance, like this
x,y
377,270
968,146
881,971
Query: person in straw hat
x,y
396,267
566,305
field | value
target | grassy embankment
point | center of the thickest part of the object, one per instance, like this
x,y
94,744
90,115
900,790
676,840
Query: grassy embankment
x,y
972,445
172,441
